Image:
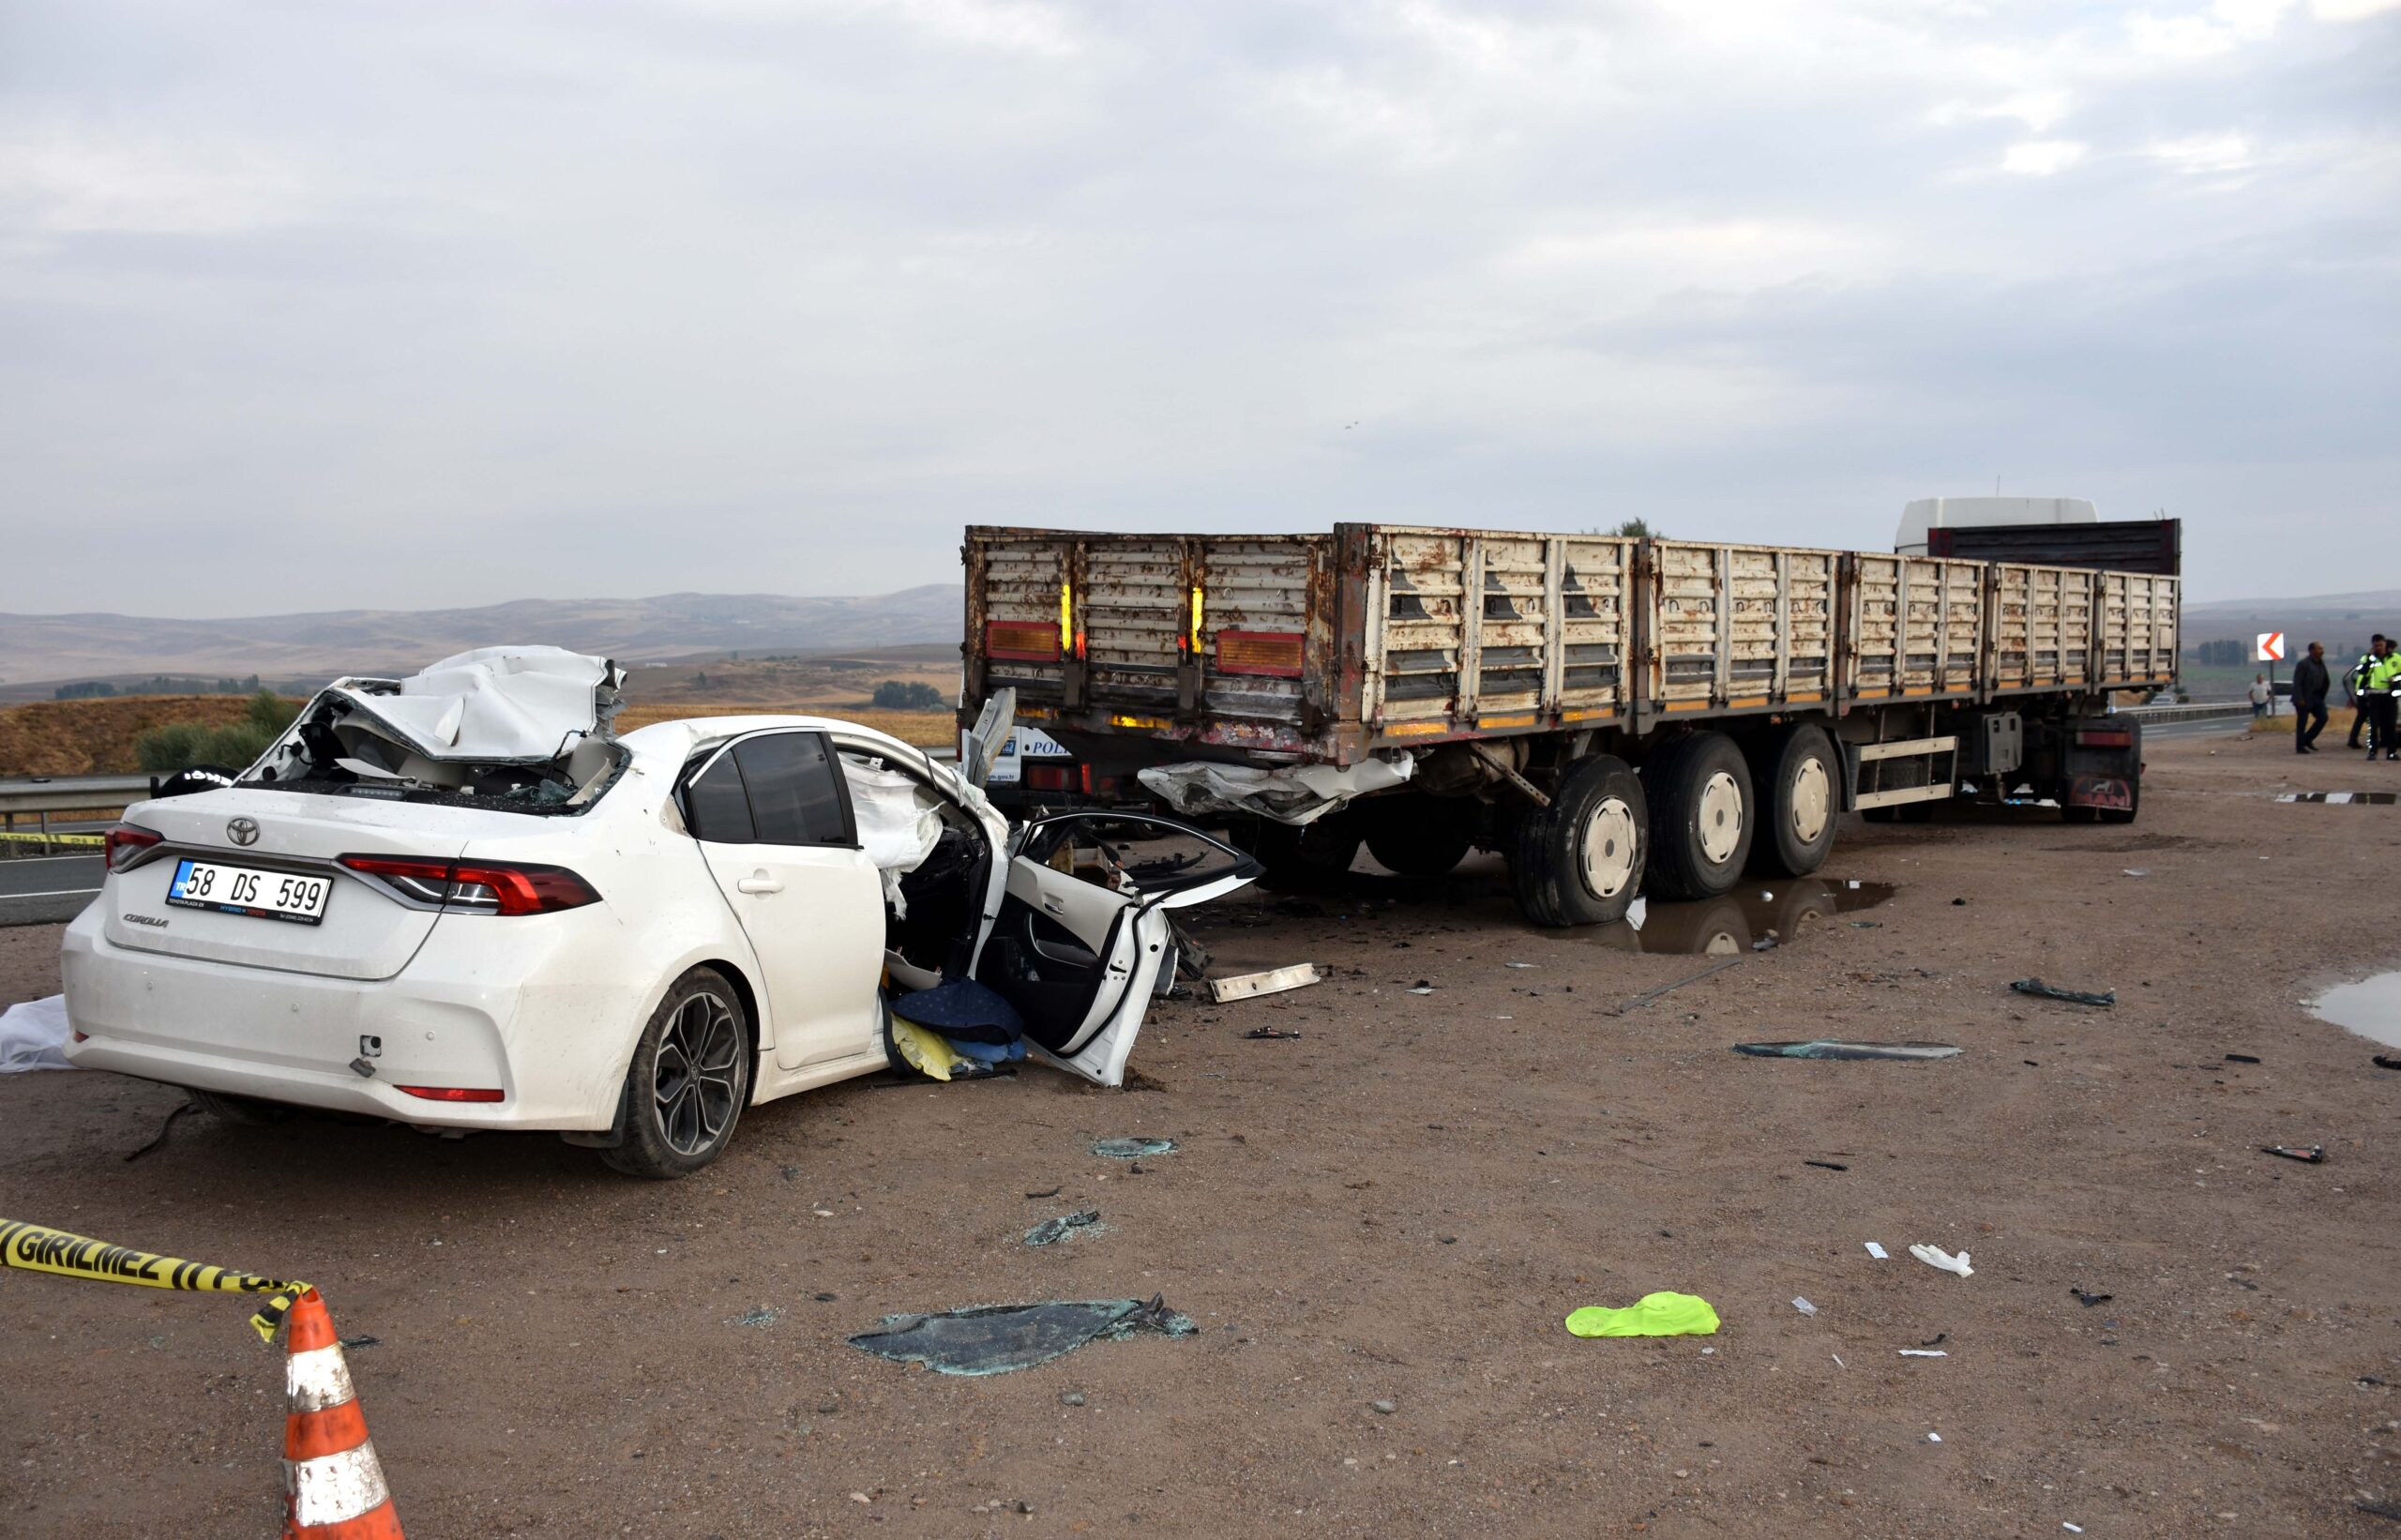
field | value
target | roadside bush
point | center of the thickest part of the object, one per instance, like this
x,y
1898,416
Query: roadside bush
x,y
179,746
905,695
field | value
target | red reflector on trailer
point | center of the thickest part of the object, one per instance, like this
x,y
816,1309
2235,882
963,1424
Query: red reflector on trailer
x,y
1275,654
1047,777
1030,641
2105,737
454,1092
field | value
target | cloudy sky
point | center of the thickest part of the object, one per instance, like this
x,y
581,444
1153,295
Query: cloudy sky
x,y
313,304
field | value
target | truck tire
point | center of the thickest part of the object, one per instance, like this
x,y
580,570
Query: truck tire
x,y
1414,835
1701,817
1800,786
1307,857
1580,860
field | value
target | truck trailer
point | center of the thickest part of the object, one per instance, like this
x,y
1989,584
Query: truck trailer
x,y
1614,715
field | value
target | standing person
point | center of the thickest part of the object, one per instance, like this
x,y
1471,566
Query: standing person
x,y
2310,683
2355,686
2382,681
2260,696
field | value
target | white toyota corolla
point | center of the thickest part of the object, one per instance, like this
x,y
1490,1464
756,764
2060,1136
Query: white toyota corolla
x,y
458,900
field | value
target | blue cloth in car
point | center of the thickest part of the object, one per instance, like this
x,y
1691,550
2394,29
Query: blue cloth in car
x,y
988,1054
963,1011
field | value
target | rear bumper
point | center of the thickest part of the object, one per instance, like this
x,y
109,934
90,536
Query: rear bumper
x,y
290,1037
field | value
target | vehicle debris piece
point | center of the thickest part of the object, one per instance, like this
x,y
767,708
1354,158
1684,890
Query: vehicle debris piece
x,y
1649,995
1300,793
2243,1058
1664,1313
1827,1165
2309,1155
1047,1192
999,1338
1421,987
1132,1149
1934,1256
1830,1048
1803,1306
1051,1230
1923,1352
2088,1300
2385,1061
2073,997
163,1128
1271,1035
1876,1250
1300,976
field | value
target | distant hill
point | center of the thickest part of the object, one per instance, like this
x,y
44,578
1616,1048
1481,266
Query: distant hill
x,y
42,650
2332,618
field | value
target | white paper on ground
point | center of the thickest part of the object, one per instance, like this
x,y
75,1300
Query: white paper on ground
x,y
34,1036
1923,1352
1876,1251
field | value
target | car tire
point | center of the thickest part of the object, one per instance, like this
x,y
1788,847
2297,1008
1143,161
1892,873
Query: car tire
x,y
1580,860
689,1082
1702,816
1799,789
249,1112
1414,835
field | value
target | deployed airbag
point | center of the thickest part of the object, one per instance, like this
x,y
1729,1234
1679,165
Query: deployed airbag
x,y
1299,794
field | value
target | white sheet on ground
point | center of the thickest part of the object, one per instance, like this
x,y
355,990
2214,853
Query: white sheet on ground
x,y
897,822
493,705
1299,794
34,1035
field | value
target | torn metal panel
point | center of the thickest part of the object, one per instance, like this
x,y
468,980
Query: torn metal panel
x,y
1274,981
1299,794
494,705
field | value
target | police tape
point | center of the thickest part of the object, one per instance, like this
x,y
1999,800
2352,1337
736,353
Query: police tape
x,y
33,837
38,1248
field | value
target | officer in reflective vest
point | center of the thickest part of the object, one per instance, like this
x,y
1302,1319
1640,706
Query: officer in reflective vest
x,y
2382,681
2355,686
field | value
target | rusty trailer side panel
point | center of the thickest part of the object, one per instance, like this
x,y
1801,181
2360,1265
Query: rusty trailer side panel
x,y
1735,629
1916,627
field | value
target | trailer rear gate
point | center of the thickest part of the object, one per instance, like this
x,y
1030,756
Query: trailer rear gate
x,y
1327,646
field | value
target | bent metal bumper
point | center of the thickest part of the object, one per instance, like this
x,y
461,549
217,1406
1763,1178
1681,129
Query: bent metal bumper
x,y
290,1037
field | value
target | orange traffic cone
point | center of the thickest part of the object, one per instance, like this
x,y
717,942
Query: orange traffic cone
x,y
333,1487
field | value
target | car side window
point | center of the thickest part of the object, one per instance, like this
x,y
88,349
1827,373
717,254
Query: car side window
x,y
798,793
718,808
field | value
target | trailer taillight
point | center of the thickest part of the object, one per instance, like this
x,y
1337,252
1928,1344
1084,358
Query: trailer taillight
x,y
1275,654
1030,642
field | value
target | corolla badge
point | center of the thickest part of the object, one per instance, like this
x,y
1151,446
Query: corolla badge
x,y
242,831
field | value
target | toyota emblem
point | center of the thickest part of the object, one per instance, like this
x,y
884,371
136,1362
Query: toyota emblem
x,y
242,831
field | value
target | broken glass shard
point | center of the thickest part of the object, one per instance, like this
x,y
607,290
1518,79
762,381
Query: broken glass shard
x,y
2073,997
1060,1229
1132,1149
997,1339
1827,1048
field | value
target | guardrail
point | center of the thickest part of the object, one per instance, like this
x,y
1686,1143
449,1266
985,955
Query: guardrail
x,y
2199,712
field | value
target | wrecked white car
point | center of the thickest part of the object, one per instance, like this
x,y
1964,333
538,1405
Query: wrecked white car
x,y
460,900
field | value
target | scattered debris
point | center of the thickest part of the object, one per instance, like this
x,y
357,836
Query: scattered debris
x,y
354,1343
2243,1058
1072,1397
2087,1301
32,1035
1047,1192
1829,1048
1827,1165
1867,925
1661,1314
1271,1035
1132,1149
1934,1256
1274,981
1765,944
1521,965
1876,1251
1937,1437
2312,1154
1803,1306
1923,1352
1649,995
2136,871
1936,1340
997,1339
1061,1228
2385,1061
1423,985
1386,1407
765,1315
2073,997
162,1139
2381,1510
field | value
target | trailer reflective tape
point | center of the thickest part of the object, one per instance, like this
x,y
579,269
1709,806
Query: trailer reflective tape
x,y
336,1489
38,1248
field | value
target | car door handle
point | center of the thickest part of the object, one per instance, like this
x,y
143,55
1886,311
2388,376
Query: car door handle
x,y
759,882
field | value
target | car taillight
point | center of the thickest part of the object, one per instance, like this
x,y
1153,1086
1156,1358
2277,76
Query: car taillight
x,y
453,1093
480,888
1276,654
120,844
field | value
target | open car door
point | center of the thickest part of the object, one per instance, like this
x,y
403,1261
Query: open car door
x,y
1084,932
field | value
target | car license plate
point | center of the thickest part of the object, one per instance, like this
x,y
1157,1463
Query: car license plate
x,y
248,890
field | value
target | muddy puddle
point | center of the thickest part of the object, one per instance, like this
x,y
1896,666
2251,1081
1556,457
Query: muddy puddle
x,y
2371,1008
1777,913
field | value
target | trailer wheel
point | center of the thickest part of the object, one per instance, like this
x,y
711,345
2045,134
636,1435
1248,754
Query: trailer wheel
x,y
1419,836
1580,861
1701,817
1307,857
1799,786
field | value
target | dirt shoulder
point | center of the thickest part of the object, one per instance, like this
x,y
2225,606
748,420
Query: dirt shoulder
x,y
1402,1206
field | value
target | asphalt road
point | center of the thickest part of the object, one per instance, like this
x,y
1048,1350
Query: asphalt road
x,y
44,889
